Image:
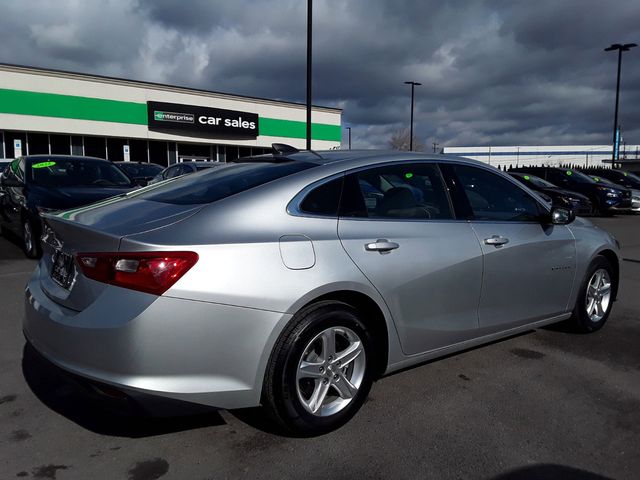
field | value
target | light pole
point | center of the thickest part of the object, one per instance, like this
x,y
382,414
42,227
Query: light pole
x,y
349,128
413,85
621,48
309,25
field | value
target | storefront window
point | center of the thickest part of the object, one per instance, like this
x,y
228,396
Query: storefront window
x,y
158,153
38,143
95,147
115,149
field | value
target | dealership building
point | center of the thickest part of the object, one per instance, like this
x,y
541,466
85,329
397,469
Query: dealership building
x,y
551,155
54,112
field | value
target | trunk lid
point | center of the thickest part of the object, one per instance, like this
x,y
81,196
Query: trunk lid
x,y
98,227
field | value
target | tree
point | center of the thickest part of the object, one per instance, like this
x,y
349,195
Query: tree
x,y
400,141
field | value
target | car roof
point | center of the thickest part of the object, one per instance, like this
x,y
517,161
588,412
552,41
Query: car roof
x,y
137,162
355,158
64,157
198,163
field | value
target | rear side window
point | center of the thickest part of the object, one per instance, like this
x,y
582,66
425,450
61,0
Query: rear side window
x,y
323,200
219,182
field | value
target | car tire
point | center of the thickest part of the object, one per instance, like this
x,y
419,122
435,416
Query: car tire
x,y
30,244
595,297
308,390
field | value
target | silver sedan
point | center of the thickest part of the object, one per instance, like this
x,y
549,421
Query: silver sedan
x,y
294,280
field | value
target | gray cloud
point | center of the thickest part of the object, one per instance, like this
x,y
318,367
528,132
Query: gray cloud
x,y
493,72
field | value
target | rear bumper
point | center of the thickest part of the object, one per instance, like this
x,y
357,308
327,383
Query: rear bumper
x,y
198,352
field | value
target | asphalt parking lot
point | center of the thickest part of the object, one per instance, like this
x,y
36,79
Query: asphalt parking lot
x,y
546,404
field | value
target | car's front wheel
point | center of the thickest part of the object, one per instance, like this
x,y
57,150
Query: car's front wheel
x,y
320,371
595,298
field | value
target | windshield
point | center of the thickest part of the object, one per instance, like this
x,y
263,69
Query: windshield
x,y
605,181
537,181
626,178
214,184
578,177
76,172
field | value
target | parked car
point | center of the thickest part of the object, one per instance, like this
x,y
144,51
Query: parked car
x,y
574,200
140,172
620,177
605,199
40,183
280,281
183,168
635,194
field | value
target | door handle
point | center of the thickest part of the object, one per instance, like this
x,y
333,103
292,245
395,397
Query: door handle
x,y
381,245
496,240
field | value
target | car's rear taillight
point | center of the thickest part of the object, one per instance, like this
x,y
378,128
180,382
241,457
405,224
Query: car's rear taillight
x,y
151,272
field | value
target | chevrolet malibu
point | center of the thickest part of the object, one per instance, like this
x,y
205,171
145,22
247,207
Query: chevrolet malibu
x,y
294,280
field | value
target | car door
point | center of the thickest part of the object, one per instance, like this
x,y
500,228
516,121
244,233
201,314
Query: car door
x,y
396,223
529,265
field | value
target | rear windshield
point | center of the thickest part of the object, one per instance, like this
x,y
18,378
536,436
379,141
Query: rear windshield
x,y
56,172
214,184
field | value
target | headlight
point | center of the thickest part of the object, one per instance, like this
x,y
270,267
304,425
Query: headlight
x,y
610,192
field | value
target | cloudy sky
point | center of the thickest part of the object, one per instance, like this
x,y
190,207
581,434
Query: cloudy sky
x,y
501,72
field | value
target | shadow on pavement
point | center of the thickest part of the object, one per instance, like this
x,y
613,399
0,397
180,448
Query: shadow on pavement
x,y
549,472
10,247
121,418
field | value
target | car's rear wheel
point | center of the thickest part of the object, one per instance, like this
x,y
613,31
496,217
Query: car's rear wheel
x,y
30,243
320,371
595,298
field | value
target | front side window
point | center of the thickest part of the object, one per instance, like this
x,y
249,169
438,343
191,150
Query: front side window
x,y
171,172
405,191
492,197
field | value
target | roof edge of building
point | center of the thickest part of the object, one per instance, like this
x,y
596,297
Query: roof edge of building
x,y
160,86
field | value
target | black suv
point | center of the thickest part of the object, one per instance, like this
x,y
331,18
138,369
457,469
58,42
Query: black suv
x,y
605,198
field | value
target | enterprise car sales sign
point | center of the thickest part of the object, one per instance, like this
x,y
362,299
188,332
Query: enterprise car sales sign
x,y
201,121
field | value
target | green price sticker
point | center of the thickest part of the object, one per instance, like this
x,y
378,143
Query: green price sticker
x,y
597,179
527,177
43,164
626,174
408,175
569,172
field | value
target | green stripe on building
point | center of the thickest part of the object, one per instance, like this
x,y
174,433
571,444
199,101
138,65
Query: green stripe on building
x,y
292,129
85,108
67,106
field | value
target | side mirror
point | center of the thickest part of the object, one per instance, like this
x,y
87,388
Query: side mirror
x,y
10,182
562,215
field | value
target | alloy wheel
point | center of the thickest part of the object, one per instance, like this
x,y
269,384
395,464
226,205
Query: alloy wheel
x,y
330,371
598,295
